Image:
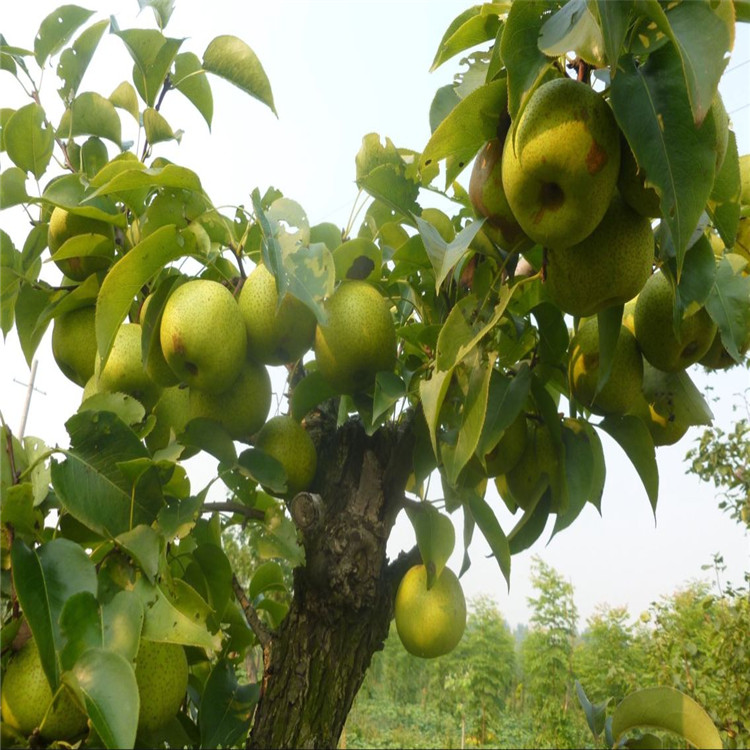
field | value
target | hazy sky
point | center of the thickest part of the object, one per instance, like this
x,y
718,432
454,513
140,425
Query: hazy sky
x,y
340,70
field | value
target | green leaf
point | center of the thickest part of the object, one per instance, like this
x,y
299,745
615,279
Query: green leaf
x,y
157,128
122,620
165,622
75,60
30,305
81,626
595,714
464,329
264,469
698,274
18,511
532,523
469,125
505,400
31,589
614,19
436,537
89,482
217,571
107,682
444,256
133,175
29,139
312,390
163,10
524,61
226,707
651,106
13,187
432,393
389,390
474,26
609,323
702,34
634,438
474,410
724,204
493,533
56,29
268,576
91,114
69,193
583,471
144,545
191,81
208,435
127,408
728,304
443,103
126,278
668,709
230,58
124,97
573,27
153,54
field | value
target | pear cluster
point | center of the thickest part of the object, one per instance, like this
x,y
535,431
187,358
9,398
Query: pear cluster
x,y
562,176
203,350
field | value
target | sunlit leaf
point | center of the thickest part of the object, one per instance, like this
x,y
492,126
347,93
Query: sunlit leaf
x,y
668,709
191,81
29,139
56,29
728,304
230,58
75,59
474,26
436,538
107,682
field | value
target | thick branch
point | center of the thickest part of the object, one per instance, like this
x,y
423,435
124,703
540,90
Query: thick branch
x,y
260,630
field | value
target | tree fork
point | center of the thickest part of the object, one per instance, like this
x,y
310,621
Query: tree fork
x,y
343,595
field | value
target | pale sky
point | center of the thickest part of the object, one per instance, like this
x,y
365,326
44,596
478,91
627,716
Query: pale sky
x,y
340,70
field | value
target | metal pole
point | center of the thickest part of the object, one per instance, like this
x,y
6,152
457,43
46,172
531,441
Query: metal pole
x,y
27,404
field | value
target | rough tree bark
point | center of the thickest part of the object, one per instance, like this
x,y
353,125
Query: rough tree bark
x,y
343,595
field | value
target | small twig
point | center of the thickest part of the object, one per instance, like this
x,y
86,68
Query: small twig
x,y
238,508
260,630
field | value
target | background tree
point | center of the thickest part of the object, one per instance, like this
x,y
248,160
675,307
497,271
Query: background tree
x,y
420,344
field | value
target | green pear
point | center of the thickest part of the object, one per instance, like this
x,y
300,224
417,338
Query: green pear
x,y
609,267
286,440
74,343
621,393
560,163
203,335
358,340
27,697
276,333
93,240
242,408
509,449
124,371
489,201
663,346
161,673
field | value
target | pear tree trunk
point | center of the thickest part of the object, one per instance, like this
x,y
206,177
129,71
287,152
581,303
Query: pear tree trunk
x,y
343,595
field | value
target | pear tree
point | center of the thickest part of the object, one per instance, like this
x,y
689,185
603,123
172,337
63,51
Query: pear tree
x,y
481,350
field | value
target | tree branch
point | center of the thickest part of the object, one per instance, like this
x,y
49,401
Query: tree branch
x,y
261,632
238,508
